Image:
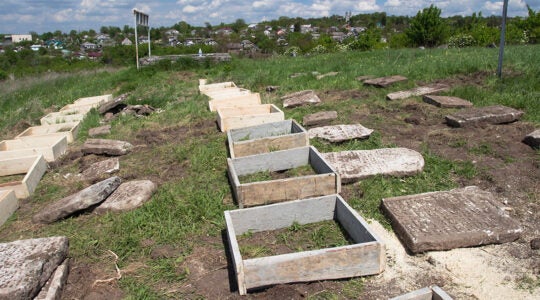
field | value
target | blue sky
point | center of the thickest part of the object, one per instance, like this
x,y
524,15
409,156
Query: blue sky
x,y
23,16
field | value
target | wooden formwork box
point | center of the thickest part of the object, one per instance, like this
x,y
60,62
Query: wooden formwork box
x,y
203,87
51,147
325,182
239,117
61,117
235,101
226,93
365,257
8,204
32,166
69,130
428,293
267,137
79,109
95,100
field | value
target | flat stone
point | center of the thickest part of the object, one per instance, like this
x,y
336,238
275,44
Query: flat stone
x,y
301,98
82,200
114,106
496,114
102,130
364,77
27,265
419,91
101,168
533,139
104,146
319,77
447,101
340,133
385,81
54,287
445,220
129,195
319,118
358,164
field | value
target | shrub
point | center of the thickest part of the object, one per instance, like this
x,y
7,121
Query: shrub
x,y
427,28
461,40
319,49
292,51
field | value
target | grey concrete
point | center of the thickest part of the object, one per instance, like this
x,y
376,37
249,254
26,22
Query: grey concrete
x,y
128,196
319,118
107,147
496,114
340,133
300,98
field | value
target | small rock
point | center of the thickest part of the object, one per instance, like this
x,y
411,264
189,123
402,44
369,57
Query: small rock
x,y
108,147
300,98
108,117
535,244
319,118
128,196
100,168
271,88
102,130
533,139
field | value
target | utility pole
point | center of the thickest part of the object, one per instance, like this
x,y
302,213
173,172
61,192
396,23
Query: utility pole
x,y
503,37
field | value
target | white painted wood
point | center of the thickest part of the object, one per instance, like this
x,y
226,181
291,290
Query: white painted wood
x,y
239,117
8,205
33,167
69,130
51,147
235,101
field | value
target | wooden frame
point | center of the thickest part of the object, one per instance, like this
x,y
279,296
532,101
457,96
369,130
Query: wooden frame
x,y
325,182
203,87
235,101
51,147
33,166
239,117
8,205
226,93
80,109
69,130
61,117
95,100
434,292
267,137
366,257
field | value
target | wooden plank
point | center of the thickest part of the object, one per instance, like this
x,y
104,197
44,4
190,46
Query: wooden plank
x,y
235,101
260,131
239,117
353,223
439,294
8,205
226,93
272,161
203,87
235,253
419,91
69,130
59,117
34,167
51,147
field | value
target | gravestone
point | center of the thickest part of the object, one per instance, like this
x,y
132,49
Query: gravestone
x,y
340,133
447,101
319,118
496,114
128,196
101,168
445,220
107,147
358,164
385,81
27,265
301,98
533,139
419,91
102,130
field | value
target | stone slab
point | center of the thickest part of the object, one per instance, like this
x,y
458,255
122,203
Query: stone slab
x,y
301,98
101,130
385,81
419,91
445,220
54,287
102,168
113,106
340,133
107,147
533,139
128,196
329,74
8,205
364,77
27,265
447,101
496,114
82,200
319,118
358,164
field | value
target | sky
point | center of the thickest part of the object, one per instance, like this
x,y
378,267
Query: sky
x,y
24,16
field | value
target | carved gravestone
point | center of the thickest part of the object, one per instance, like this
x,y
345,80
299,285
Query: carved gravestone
x,y
107,147
447,101
101,168
497,114
300,98
385,81
419,91
319,118
128,196
463,217
533,139
340,133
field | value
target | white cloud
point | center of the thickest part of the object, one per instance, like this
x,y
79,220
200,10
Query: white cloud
x,y
190,9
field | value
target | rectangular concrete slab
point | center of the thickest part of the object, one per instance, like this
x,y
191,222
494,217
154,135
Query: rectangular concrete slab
x,y
239,117
33,168
340,133
496,114
358,164
447,101
61,117
366,256
51,147
69,130
385,81
419,91
265,138
325,182
235,101
96,101
445,220
8,205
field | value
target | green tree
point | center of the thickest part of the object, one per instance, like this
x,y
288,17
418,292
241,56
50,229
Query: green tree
x,y
427,28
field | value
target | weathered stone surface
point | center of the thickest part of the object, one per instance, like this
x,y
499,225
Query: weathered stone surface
x,y
319,118
385,81
128,196
101,168
108,117
340,133
419,91
26,265
104,146
533,139
446,220
447,101
114,106
54,287
84,199
496,114
319,77
358,164
102,130
364,77
300,98
535,244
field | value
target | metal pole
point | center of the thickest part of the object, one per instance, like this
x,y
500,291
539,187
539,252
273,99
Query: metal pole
x,y
149,41
503,35
136,41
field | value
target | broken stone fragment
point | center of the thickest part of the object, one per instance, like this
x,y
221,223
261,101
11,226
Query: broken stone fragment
x,y
419,91
27,265
301,98
385,81
319,118
102,130
533,139
82,200
114,106
129,195
340,133
107,147
54,287
101,168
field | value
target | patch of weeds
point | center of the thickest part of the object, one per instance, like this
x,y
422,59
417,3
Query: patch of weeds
x,y
252,251
324,295
529,283
353,288
11,178
458,143
466,169
167,270
482,149
304,170
137,290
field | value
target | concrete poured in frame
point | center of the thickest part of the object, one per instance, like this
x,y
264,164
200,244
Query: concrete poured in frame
x,y
33,167
365,257
265,138
69,130
240,117
95,100
496,114
325,182
51,147
61,117
8,205
235,101
463,217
